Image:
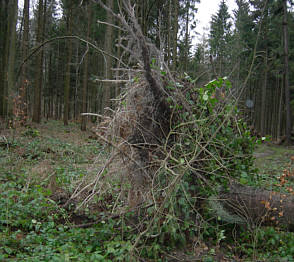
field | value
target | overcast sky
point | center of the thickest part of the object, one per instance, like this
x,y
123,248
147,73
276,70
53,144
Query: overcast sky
x,y
206,9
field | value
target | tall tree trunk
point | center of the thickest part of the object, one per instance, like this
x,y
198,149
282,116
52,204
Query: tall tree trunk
x,y
50,85
175,34
108,48
76,108
168,32
56,91
6,58
280,114
39,66
286,74
263,115
3,54
11,57
85,75
118,62
25,51
68,67
187,22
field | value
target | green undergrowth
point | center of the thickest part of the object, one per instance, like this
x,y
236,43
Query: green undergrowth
x,y
216,130
38,163
272,161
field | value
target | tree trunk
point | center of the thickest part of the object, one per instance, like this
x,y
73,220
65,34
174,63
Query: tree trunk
x,y
75,100
263,115
25,51
3,54
68,67
39,66
50,85
118,62
108,60
57,88
11,57
175,34
85,75
247,205
169,34
286,74
187,22
280,114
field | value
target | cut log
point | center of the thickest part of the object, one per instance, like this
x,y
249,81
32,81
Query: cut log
x,y
248,205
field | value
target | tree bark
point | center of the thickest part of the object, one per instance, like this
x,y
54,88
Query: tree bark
x,y
75,100
263,115
118,62
3,55
247,205
57,88
11,57
68,67
39,66
187,22
286,74
108,60
280,114
169,34
175,34
85,75
50,85
25,52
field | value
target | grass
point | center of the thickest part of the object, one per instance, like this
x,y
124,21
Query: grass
x,y
271,161
270,157
42,164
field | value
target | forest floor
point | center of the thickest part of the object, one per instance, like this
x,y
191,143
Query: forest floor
x,y
278,156
41,165
272,161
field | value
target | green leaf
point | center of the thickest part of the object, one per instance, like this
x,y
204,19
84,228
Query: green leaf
x,y
243,181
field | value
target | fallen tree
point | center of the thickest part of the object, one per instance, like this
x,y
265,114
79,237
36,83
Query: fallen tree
x,y
173,146
252,206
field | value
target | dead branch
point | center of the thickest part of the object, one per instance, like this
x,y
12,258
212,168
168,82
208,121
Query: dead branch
x,y
116,81
37,48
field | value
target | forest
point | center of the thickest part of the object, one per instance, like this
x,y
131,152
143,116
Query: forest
x,y
122,138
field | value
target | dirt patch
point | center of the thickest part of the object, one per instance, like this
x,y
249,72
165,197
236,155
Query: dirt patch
x,y
269,154
263,154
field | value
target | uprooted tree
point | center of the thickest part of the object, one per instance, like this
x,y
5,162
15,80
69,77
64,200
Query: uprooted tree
x,y
177,151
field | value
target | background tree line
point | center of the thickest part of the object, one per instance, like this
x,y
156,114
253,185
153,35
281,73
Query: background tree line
x,y
53,55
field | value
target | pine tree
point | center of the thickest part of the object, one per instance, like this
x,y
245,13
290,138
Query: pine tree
x,y
220,38
188,10
243,39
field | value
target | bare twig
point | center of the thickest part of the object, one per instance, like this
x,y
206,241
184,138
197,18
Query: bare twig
x,y
116,81
37,48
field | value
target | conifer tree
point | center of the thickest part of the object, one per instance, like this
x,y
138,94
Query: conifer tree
x,y
220,38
